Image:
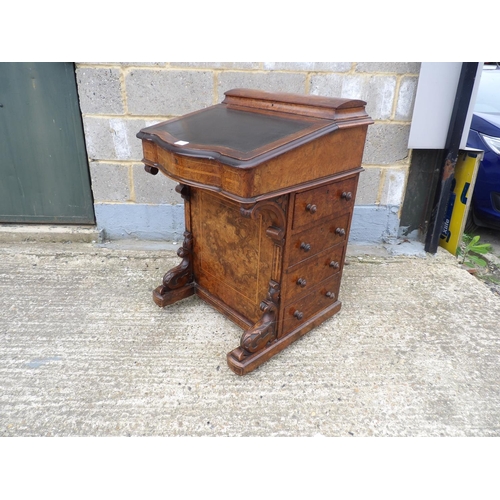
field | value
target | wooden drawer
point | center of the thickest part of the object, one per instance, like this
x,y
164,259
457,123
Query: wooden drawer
x,y
309,242
300,279
300,311
325,201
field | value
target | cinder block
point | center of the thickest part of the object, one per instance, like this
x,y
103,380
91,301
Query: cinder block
x,y
377,91
113,138
271,82
394,186
337,67
155,189
98,139
332,85
388,67
168,92
406,98
386,144
368,187
110,182
99,90
216,65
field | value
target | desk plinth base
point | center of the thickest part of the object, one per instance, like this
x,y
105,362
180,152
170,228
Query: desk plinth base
x,y
240,360
248,363
164,298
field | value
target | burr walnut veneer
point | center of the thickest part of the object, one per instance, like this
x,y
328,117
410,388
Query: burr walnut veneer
x,y
268,181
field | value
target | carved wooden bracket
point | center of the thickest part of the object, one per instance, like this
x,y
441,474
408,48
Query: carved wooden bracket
x,y
184,191
264,331
277,210
182,274
178,283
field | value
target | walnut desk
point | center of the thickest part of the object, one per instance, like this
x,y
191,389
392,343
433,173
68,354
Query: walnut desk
x,y
268,181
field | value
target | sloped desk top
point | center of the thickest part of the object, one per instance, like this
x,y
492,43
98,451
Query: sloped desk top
x,y
234,147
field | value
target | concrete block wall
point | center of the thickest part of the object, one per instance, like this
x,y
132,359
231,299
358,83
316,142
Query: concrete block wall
x,y
118,99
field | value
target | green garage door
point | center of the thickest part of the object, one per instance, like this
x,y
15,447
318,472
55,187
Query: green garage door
x,y
44,174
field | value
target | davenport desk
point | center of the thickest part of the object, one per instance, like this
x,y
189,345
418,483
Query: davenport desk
x,y
268,182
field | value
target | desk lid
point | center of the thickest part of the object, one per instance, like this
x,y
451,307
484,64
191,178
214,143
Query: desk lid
x,y
251,124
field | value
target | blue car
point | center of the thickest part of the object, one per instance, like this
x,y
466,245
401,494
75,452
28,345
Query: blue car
x,y
485,134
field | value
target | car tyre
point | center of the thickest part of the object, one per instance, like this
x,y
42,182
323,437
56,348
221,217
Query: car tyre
x,y
470,226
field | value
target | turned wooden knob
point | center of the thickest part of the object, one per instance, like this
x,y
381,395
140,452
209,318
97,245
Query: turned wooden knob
x,y
334,264
340,231
311,208
298,314
305,246
330,295
150,169
301,282
347,196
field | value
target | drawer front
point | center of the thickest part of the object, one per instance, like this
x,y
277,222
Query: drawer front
x,y
305,308
326,201
309,242
300,279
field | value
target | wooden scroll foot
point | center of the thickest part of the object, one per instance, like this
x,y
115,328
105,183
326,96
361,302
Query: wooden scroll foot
x,y
178,282
243,362
263,332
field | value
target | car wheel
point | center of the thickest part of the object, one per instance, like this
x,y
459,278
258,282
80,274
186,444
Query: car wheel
x,y
470,226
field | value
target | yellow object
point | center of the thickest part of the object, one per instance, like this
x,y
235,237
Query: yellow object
x,y
460,198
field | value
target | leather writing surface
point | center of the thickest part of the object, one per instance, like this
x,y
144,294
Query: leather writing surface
x,y
239,133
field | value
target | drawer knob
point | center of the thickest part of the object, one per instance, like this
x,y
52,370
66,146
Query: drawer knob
x,y
334,264
301,282
330,295
311,208
298,314
305,246
340,231
346,196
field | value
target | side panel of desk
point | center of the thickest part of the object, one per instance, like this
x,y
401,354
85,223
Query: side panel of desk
x,y
232,256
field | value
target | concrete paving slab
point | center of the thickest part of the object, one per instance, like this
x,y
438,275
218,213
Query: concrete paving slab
x,y
84,351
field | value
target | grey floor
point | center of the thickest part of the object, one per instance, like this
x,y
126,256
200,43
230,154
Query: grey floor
x,y
415,351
